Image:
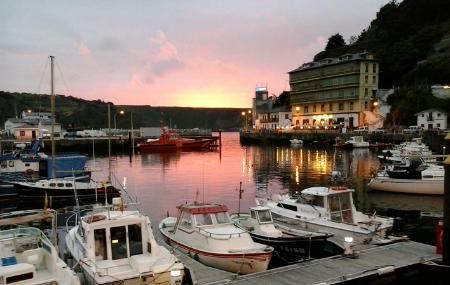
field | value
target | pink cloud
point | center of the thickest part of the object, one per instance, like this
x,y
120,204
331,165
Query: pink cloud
x,y
82,48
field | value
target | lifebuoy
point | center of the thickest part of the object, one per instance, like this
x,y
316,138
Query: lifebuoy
x,y
94,218
339,188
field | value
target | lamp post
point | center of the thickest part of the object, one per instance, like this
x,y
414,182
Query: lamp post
x,y
244,117
250,118
121,112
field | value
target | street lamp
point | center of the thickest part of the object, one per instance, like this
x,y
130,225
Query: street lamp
x,y
250,118
121,112
244,117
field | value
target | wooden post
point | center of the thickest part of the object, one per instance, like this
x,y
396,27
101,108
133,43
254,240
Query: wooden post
x,y
446,243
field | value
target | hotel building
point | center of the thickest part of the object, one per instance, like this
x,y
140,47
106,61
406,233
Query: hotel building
x,y
335,91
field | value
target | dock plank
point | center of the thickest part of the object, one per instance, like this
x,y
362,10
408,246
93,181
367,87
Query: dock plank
x,y
337,269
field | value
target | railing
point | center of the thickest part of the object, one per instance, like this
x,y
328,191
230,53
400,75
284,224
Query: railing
x,y
219,236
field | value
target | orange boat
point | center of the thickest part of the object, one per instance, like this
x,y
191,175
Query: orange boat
x,y
171,141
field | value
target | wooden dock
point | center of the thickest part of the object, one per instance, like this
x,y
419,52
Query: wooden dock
x,y
371,261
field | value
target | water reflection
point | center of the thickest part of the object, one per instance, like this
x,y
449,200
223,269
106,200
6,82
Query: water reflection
x,y
163,181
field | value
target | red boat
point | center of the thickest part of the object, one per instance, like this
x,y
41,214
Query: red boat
x,y
168,141
171,141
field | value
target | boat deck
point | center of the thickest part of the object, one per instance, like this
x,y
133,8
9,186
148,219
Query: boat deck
x,y
371,261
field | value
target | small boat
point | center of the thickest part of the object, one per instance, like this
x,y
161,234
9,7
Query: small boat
x,y
358,142
426,179
118,247
28,257
288,243
205,232
65,187
329,210
296,142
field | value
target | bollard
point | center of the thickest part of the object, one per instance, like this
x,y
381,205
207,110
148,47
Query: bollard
x,y
439,236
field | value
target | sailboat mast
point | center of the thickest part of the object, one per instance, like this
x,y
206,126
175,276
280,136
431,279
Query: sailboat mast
x,y
109,142
52,100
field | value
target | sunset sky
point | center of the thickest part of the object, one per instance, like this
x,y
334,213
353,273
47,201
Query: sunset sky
x,y
168,53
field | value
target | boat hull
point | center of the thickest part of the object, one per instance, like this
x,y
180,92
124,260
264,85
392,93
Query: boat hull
x,y
30,191
231,262
407,186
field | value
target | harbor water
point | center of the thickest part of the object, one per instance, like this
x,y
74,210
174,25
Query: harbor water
x,y
162,181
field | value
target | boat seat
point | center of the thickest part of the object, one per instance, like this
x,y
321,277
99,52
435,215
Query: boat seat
x,y
33,256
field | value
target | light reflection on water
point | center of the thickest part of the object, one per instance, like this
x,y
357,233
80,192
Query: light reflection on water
x,y
162,181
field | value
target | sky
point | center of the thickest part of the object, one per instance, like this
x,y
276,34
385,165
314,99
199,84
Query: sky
x,y
191,53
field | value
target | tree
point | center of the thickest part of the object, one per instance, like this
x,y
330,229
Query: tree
x,y
335,41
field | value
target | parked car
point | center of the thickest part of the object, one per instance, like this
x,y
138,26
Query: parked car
x,y
412,130
361,130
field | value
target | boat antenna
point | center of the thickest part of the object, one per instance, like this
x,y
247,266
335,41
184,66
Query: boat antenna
x,y
52,97
240,197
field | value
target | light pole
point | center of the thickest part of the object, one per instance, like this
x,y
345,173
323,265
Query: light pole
x,y
132,134
244,117
121,112
250,118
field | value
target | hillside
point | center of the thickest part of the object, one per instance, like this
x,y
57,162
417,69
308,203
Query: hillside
x,y
411,40
80,113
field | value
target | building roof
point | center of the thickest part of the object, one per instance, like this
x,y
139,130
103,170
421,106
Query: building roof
x,y
334,60
431,110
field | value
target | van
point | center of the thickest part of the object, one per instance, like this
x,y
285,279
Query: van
x,y
363,129
412,130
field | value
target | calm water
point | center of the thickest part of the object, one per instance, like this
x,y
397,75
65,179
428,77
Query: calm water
x,y
162,181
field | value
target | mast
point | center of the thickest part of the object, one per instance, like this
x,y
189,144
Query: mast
x,y
109,142
52,100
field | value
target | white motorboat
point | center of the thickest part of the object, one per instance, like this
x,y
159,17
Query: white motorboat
x,y
357,142
296,142
329,210
288,242
205,232
119,246
428,179
29,258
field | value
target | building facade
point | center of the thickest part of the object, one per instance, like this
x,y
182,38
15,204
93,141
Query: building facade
x,y
432,119
335,91
267,116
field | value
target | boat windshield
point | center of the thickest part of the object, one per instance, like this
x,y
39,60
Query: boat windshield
x,y
340,207
264,216
222,218
314,200
203,219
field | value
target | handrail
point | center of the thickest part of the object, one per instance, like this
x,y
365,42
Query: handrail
x,y
227,236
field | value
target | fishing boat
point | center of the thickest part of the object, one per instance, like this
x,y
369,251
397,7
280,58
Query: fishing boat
x,y
329,210
289,243
425,179
170,140
205,232
29,258
117,246
65,187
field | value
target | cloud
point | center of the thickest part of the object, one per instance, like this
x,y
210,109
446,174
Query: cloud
x,y
163,55
83,50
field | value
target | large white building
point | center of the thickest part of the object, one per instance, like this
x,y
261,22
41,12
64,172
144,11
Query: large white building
x,y
432,119
266,115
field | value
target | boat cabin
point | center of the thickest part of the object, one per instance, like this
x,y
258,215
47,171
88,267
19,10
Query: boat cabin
x,y
261,214
114,238
201,215
334,203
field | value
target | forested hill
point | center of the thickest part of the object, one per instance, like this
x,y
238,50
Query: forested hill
x,y
411,40
80,113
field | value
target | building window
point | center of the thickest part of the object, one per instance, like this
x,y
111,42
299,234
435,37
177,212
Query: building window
x,y
367,67
366,92
22,133
314,108
374,79
423,115
438,125
305,122
331,106
305,109
286,116
366,105
366,79
322,108
341,106
438,114
374,68
351,105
